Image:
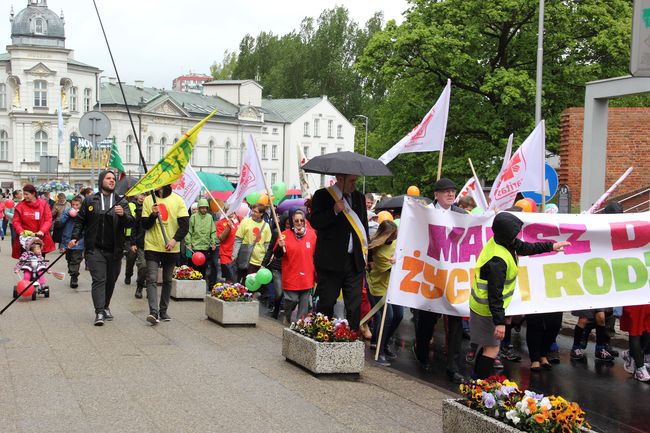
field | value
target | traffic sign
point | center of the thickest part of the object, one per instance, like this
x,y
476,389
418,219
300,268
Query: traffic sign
x,y
94,126
551,186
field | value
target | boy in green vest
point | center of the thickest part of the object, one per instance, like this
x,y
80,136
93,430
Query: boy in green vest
x,y
494,285
202,236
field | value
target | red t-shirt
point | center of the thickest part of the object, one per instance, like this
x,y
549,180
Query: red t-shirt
x,y
225,250
298,271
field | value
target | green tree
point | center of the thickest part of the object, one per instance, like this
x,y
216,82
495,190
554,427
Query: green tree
x,y
225,69
488,50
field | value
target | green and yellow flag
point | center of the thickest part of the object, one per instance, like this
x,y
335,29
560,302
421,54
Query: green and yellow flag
x,y
172,166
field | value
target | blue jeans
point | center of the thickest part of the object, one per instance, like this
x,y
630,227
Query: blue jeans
x,y
394,316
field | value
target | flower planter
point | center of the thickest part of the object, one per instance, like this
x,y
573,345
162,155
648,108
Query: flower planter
x,y
232,313
320,357
188,289
458,418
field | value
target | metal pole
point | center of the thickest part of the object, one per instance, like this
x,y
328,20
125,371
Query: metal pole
x,y
540,62
365,145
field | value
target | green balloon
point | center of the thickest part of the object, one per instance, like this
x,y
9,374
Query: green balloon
x,y
264,276
253,198
69,196
279,190
251,283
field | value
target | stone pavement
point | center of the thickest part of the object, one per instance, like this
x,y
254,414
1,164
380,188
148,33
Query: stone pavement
x,y
59,373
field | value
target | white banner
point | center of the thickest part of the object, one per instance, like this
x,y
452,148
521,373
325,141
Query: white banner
x,y
429,135
251,178
605,266
473,189
188,186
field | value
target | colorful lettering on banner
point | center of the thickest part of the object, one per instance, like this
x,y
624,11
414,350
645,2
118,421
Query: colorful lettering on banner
x,y
607,263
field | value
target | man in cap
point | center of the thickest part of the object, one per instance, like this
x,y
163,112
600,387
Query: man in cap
x,y
101,222
445,195
202,236
339,215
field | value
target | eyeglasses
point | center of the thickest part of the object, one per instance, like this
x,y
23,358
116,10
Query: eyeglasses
x,y
298,221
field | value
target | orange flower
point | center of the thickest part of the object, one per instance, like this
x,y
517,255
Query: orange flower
x,y
539,418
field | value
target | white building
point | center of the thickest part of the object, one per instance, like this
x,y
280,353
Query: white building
x,y
37,71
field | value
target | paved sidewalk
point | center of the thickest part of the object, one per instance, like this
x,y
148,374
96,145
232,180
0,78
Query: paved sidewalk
x,y
59,373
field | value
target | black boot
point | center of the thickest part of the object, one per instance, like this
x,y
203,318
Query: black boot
x,y
276,308
484,367
138,292
74,283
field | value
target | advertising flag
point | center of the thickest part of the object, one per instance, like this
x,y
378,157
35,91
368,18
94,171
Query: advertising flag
x,y
115,160
251,178
188,186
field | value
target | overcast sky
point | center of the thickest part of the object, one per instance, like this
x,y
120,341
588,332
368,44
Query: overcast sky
x,y
157,40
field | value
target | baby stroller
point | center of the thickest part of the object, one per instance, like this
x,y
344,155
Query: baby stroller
x,y
33,266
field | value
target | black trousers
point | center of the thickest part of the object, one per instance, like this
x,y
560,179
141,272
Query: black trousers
x,y
541,331
424,324
330,285
104,270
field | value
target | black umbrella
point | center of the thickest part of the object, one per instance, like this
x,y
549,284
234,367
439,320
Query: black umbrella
x,y
125,184
397,202
346,163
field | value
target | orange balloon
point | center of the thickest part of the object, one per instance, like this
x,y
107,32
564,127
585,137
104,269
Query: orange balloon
x,y
413,190
264,200
384,216
524,205
213,205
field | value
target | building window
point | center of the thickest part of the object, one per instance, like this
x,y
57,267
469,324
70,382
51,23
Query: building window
x,y
275,131
3,96
39,26
305,150
40,145
274,177
323,149
73,99
149,150
226,154
129,148
274,151
306,129
316,128
211,153
87,100
4,146
265,130
163,143
264,152
339,149
339,131
330,129
40,93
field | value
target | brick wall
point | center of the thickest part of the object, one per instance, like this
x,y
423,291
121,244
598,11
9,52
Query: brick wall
x,y
628,144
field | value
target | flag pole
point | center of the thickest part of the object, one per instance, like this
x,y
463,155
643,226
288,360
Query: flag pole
x,y
478,185
543,207
440,163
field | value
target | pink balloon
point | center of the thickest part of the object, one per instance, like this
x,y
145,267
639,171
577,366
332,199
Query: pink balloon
x,y
73,212
242,211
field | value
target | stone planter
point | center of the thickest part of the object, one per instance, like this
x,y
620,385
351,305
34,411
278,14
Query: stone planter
x,y
458,418
232,313
188,289
322,357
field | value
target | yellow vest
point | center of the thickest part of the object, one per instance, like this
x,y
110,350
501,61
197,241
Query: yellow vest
x,y
478,302
127,232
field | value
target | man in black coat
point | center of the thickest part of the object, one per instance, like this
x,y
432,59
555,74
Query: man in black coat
x,y
339,257
445,195
101,222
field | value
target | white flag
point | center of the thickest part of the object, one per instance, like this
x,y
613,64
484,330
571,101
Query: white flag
x,y
524,172
302,176
473,189
188,185
251,178
429,135
504,164
60,126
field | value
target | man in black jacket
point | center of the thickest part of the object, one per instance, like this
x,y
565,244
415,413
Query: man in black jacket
x,y
445,195
101,222
340,256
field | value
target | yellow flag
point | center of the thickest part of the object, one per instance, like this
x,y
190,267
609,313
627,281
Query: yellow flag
x,y
172,166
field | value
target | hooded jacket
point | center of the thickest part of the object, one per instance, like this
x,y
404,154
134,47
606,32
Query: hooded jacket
x,y
202,233
34,216
506,227
95,225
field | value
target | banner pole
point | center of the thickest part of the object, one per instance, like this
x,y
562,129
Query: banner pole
x,y
479,185
440,163
381,330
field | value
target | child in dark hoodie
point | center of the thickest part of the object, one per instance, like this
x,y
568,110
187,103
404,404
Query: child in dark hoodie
x,y
493,286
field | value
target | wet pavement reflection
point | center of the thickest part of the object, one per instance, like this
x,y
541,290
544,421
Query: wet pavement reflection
x,y
612,399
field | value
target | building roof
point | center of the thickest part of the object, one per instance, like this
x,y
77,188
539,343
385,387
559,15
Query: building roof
x,y
194,103
5,56
78,63
289,109
230,82
25,32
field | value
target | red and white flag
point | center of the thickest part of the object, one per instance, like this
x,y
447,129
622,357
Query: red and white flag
x,y
504,164
473,189
251,178
188,185
429,135
524,171
302,175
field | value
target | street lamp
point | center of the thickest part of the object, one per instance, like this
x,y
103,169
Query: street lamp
x,y
365,145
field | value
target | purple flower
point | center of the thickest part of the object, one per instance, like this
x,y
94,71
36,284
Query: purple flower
x,y
488,400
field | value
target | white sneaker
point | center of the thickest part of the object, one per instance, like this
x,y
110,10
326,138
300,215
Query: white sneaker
x,y
628,362
641,374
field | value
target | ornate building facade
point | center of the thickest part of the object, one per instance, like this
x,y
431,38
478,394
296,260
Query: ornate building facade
x,y
38,74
